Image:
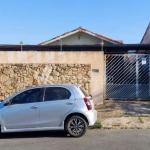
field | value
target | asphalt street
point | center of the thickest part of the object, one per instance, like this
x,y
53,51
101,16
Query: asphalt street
x,y
92,140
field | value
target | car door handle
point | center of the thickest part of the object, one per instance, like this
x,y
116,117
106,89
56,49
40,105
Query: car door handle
x,y
69,103
34,107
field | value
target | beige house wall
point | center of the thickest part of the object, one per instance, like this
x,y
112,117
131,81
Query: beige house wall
x,y
96,59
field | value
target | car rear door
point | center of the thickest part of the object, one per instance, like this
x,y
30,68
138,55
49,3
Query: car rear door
x,y
23,111
57,102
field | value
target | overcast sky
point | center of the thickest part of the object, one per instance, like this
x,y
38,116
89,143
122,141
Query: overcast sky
x,y
34,21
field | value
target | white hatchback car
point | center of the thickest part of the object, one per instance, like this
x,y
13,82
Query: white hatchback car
x,y
51,107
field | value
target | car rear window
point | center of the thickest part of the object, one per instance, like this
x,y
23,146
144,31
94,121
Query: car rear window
x,y
84,91
56,93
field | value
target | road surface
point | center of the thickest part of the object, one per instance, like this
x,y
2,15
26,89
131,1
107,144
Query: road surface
x,y
92,140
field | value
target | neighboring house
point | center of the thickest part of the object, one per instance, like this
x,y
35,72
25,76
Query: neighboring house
x,y
80,36
146,37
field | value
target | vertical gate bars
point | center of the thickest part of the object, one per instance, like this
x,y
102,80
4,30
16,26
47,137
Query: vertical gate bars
x,y
137,77
104,77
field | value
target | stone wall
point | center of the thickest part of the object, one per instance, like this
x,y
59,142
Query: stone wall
x,y
95,58
15,77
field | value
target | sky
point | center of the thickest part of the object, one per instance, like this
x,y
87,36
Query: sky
x,y
35,21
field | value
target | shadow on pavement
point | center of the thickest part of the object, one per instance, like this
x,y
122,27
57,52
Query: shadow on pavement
x,y
40,134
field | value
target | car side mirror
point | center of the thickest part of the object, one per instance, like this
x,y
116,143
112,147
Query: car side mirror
x,y
7,103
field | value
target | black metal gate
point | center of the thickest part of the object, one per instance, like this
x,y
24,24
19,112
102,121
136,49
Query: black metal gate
x,y
127,76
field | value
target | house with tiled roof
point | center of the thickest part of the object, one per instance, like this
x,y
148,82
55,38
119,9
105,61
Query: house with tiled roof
x,y
75,57
78,57
80,36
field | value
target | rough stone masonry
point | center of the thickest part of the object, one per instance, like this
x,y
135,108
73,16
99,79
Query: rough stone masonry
x,y
15,77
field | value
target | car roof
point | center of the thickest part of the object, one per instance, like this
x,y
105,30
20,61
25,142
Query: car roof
x,y
70,86
54,85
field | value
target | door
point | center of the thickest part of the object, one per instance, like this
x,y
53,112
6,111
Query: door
x,y
57,102
23,112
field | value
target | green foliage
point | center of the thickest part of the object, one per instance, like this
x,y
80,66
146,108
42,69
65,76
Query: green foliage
x,y
97,125
121,115
141,120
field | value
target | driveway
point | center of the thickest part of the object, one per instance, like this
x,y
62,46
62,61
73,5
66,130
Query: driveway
x,y
93,140
121,114
116,108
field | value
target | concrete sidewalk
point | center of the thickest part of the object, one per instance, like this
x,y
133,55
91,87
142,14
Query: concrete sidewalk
x,y
116,114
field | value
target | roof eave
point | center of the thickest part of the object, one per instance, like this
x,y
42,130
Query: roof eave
x,y
81,30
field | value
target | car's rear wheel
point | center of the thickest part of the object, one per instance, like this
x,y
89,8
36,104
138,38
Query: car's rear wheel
x,y
76,126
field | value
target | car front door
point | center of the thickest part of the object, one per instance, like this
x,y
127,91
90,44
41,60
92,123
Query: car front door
x,y
57,102
23,112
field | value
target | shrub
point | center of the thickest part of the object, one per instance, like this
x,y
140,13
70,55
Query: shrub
x,y
97,125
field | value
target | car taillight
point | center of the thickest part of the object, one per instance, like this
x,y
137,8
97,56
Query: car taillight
x,y
88,104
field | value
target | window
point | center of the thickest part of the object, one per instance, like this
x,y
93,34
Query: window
x,y
56,93
30,96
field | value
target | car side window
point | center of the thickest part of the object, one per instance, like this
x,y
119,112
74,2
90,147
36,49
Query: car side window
x,y
56,93
30,96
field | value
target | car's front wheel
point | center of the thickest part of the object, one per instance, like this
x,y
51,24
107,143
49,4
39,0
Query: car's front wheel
x,y
76,126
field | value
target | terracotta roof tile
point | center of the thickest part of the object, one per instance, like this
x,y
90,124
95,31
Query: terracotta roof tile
x,y
67,32
83,29
57,37
41,43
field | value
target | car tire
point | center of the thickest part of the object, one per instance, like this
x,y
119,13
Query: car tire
x,y
0,131
76,126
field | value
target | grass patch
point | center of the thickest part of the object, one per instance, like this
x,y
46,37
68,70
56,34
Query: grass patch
x,y
97,125
116,125
121,115
141,120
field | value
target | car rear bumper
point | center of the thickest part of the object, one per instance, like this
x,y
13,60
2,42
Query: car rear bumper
x,y
91,116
